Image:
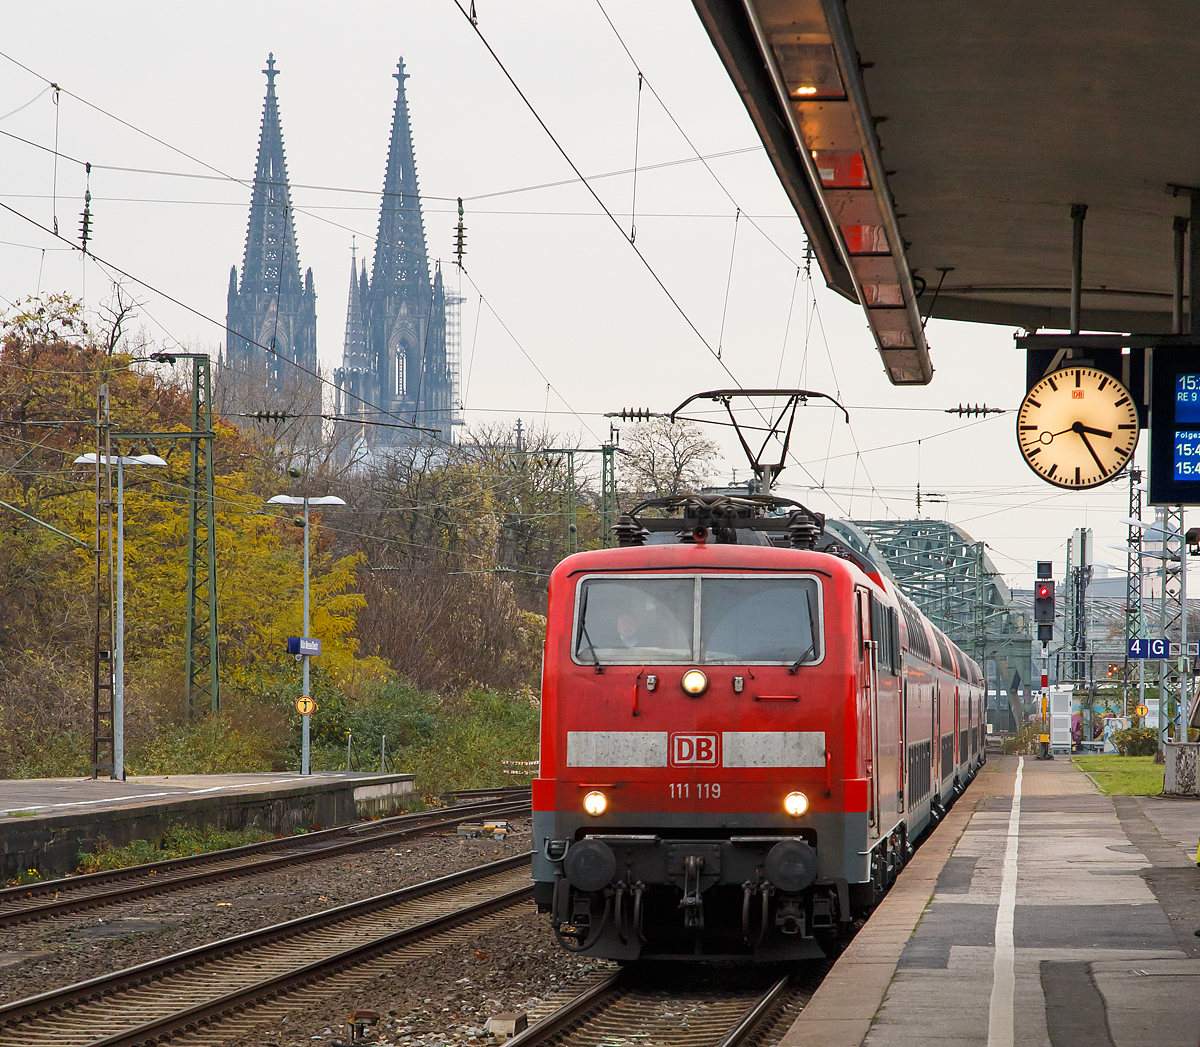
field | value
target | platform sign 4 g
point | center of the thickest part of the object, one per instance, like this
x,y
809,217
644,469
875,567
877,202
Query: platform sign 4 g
x,y
1149,647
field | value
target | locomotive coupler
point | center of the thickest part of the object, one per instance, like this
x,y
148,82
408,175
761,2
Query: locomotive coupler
x,y
789,916
691,903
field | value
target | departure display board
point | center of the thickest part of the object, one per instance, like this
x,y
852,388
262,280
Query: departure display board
x,y
1175,426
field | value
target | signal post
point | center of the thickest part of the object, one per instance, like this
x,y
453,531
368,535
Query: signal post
x,y
1043,614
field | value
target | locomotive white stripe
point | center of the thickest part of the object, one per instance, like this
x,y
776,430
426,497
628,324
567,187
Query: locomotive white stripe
x,y
773,748
616,748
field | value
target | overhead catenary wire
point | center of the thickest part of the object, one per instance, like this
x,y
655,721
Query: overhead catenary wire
x,y
27,104
588,186
419,197
604,207
54,181
728,282
679,127
637,137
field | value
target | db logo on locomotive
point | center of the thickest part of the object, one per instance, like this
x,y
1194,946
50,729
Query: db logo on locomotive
x,y
694,750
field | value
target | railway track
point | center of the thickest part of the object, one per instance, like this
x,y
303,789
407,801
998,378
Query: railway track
x,y
191,990
76,893
629,1005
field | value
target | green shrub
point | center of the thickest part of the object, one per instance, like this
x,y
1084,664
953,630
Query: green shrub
x,y
447,741
1136,741
180,841
1025,741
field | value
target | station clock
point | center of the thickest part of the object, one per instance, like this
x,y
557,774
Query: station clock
x,y
1077,428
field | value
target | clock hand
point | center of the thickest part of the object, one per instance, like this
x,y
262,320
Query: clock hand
x,y
1080,428
1091,450
1047,437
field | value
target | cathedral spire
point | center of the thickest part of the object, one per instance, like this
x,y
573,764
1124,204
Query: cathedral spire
x,y
271,263
400,255
355,345
271,317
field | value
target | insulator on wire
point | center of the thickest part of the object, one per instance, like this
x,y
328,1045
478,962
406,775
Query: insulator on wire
x,y
974,410
271,416
804,528
460,237
85,224
629,532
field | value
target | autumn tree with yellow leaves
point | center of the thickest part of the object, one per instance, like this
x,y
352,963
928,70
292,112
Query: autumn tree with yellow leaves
x,y
424,589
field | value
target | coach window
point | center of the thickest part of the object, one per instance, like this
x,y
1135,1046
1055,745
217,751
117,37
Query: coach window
x,y
632,621
759,620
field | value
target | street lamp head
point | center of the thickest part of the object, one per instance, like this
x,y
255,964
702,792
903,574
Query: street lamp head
x,y
120,459
291,499
294,472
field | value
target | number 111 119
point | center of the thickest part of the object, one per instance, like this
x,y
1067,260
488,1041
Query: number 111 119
x,y
700,790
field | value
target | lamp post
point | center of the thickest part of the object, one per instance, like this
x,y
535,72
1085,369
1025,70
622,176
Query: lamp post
x,y
122,460
306,501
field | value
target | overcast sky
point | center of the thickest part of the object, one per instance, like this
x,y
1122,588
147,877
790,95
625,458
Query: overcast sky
x,y
566,299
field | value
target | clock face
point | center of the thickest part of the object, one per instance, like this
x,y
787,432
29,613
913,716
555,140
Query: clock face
x,y
1077,427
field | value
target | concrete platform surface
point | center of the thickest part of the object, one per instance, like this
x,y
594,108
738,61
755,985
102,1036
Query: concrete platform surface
x,y
1040,912
22,797
46,823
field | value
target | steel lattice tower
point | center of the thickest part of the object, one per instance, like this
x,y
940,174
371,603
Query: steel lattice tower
x,y
1170,519
202,654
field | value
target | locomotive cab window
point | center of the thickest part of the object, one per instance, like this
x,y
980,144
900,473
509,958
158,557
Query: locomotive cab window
x,y
758,620
630,621
714,620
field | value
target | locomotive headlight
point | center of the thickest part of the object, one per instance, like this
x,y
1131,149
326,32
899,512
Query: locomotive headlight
x,y
795,804
694,682
595,803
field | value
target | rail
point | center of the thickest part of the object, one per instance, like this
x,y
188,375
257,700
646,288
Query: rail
x,y
153,1001
75,893
625,999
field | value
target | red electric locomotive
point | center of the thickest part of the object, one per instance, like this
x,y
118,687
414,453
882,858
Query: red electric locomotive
x,y
744,727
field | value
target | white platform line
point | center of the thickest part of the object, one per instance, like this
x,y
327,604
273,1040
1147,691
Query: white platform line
x,y
1000,1010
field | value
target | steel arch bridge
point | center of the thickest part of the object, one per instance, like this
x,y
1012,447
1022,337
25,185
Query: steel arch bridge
x,y
951,578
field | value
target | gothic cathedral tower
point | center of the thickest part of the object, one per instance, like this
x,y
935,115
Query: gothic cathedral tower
x,y
395,351
272,316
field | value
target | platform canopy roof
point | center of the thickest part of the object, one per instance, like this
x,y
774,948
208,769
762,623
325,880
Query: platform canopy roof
x,y
943,141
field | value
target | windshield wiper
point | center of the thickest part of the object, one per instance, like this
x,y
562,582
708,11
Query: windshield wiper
x,y
595,658
795,666
584,633
812,634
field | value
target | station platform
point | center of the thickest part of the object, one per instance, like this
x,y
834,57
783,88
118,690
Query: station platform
x,y
46,822
1040,912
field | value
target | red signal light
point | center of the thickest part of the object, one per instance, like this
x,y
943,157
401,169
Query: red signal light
x,y
1043,591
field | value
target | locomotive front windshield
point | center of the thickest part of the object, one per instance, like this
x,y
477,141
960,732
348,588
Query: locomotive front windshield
x,y
698,620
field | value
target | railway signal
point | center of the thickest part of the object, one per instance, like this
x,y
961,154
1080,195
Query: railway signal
x,y
1043,601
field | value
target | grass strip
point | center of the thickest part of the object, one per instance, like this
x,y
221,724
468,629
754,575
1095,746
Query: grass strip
x,y
1124,775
